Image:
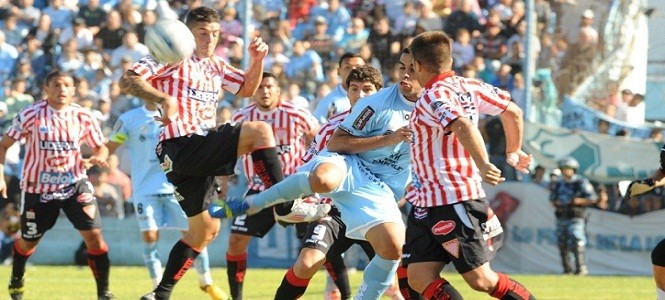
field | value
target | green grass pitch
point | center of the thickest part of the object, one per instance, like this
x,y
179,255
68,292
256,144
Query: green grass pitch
x,y
76,283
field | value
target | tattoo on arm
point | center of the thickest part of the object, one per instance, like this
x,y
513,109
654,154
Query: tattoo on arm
x,y
131,83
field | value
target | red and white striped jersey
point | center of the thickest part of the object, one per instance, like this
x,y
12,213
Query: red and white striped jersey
x,y
289,124
53,145
444,172
324,134
196,84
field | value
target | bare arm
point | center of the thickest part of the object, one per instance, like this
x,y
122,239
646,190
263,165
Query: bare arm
x,y
346,143
469,136
99,157
257,52
5,143
513,128
131,83
309,137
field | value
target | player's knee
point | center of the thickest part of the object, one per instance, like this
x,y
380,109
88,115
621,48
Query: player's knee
x,y
389,250
326,177
658,254
261,134
238,244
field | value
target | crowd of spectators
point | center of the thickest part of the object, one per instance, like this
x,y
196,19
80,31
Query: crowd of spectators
x,y
98,40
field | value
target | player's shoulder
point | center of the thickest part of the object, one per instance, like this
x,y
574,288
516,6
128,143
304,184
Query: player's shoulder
x,y
385,97
292,108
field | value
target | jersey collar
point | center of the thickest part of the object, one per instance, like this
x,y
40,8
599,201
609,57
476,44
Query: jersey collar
x,y
438,78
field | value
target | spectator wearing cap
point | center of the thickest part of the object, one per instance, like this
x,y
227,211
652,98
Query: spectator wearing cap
x,y
337,15
8,56
93,15
61,16
320,41
130,48
17,98
585,35
78,31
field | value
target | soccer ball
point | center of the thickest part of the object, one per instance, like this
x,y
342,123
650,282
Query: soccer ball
x,y
170,41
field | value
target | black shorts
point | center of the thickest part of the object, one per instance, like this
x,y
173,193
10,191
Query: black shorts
x,y
328,235
39,212
191,162
452,233
256,225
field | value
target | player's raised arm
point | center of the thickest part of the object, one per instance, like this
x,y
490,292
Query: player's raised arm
x,y
257,52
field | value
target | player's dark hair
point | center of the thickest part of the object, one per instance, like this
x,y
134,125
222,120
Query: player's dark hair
x,y
268,75
58,73
433,50
406,51
366,73
348,55
202,14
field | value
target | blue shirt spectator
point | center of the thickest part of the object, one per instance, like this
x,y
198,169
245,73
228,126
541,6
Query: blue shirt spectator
x,y
8,56
338,18
61,17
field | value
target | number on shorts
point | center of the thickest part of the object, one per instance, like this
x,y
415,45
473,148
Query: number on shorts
x,y
32,228
139,208
319,232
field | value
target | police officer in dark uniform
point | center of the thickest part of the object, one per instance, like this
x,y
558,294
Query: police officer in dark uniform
x,y
570,196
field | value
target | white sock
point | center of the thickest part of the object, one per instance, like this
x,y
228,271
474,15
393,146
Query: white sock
x,y
660,293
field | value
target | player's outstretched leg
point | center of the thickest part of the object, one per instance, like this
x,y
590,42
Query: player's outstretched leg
x,y
202,266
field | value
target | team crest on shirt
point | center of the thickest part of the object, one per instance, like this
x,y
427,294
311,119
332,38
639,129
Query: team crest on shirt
x,y
443,227
452,247
363,118
167,165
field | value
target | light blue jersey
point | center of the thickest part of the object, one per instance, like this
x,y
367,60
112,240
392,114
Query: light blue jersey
x,y
334,103
139,132
379,114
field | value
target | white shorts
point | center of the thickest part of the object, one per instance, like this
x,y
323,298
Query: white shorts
x,y
362,198
155,212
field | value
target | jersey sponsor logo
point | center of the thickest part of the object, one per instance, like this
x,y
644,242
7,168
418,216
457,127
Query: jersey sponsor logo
x,y
204,96
363,118
57,145
283,149
167,165
452,247
56,178
44,129
420,213
443,227
491,228
57,162
58,195
435,105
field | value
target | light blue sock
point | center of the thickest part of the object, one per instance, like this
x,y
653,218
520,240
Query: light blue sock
x,y
377,278
151,260
202,266
292,187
